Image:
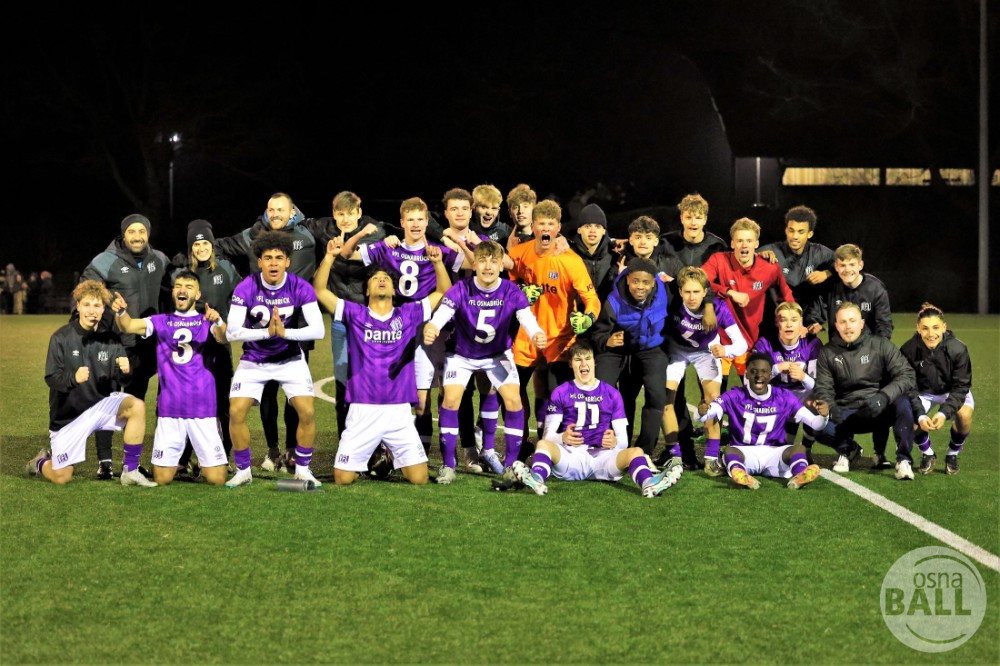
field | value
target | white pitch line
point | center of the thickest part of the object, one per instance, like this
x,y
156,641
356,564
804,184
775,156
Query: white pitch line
x,y
318,387
941,534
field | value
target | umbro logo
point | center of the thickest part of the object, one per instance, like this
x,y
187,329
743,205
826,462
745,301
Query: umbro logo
x,y
124,269
76,352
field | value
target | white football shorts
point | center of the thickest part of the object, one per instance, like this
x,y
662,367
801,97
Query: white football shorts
x,y
69,443
250,377
367,425
168,442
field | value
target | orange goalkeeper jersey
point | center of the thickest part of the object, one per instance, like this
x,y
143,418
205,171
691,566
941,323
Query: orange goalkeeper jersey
x,y
562,278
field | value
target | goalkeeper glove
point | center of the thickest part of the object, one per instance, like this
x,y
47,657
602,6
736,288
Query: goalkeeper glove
x,y
532,291
581,321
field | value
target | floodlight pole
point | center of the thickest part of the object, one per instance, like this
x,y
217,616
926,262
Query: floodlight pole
x,y
984,169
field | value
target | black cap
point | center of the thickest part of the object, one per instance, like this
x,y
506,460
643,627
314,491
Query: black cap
x,y
592,214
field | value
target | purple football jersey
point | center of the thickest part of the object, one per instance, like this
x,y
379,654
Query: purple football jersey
x,y
482,318
806,350
590,410
187,387
758,420
415,270
259,299
687,330
381,351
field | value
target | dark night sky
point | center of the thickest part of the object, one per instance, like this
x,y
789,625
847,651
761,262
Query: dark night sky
x,y
312,98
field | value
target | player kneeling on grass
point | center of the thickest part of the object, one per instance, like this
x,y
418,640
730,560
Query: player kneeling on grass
x,y
944,378
381,383
758,412
585,435
186,404
692,343
483,307
85,369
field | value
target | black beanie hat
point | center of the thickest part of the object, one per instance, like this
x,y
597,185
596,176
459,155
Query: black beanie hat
x,y
133,219
199,230
592,214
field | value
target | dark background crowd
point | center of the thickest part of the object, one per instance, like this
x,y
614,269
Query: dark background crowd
x,y
139,108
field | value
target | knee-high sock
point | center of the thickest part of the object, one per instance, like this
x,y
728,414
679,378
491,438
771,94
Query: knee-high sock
x,y
448,427
489,412
639,470
425,427
242,458
541,464
513,429
303,455
798,463
956,443
131,457
923,442
732,461
712,448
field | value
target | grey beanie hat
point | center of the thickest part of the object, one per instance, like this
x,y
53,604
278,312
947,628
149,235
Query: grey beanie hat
x,y
135,218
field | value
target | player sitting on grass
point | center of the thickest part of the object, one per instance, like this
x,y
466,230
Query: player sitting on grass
x,y
85,369
585,435
483,307
794,358
943,371
757,413
262,306
381,385
186,404
690,343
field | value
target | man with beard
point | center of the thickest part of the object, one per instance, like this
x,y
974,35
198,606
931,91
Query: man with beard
x,y
133,268
186,406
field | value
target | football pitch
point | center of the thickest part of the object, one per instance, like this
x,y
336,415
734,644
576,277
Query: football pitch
x,y
381,572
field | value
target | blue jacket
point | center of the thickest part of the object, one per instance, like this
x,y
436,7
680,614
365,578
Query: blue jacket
x,y
644,323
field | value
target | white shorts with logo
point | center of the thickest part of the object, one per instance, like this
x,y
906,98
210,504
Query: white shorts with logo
x,y
69,443
428,361
929,399
708,367
250,377
168,442
367,425
499,369
765,461
580,463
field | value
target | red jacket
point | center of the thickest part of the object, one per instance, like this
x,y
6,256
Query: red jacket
x,y
725,273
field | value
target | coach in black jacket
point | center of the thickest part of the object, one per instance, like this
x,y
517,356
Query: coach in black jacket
x,y
131,267
866,382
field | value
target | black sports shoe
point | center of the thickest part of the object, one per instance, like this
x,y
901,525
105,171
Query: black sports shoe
x,y
145,472
927,463
104,471
879,461
854,452
951,464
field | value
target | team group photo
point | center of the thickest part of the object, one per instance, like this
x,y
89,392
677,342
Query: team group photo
x,y
521,334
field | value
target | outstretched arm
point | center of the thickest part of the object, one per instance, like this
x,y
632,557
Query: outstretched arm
x,y
321,278
125,322
441,273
